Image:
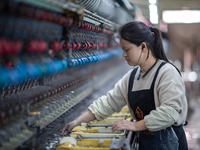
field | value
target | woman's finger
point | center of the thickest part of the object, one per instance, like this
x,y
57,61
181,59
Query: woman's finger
x,y
116,126
65,130
122,125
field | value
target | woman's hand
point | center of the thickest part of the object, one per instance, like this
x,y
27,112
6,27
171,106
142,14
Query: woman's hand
x,y
68,127
128,125
85,117
123,125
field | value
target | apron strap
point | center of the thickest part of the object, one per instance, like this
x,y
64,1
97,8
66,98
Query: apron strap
x,y
154,79
131,79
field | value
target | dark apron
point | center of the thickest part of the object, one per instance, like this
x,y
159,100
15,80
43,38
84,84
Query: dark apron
x,y
142,103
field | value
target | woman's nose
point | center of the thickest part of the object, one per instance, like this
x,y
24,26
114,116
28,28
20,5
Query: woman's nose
x,y
124,54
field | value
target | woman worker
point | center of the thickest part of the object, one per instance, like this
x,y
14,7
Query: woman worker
x,y
153,90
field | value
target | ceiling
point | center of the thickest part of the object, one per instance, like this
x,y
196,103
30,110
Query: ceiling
x,y
177,5
167,5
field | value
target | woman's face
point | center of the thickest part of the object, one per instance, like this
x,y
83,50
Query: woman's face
x,y
132,52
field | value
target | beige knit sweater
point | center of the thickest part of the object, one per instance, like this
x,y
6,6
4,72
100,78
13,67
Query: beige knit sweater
x,y
169,95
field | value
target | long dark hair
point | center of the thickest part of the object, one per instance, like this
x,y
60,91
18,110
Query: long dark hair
x,y
137,32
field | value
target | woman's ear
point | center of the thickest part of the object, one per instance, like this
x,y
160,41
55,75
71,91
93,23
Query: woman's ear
x,y
143,45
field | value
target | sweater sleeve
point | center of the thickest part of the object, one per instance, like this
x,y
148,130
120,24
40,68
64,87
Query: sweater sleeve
x,y
115,99
163,117
171,94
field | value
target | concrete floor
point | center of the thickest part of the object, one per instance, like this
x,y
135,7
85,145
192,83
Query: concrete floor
x,y
193,128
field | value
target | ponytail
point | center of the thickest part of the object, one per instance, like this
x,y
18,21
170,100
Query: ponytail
x,y
158,50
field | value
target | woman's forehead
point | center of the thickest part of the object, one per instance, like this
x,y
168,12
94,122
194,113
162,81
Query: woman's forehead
x,y
125,42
